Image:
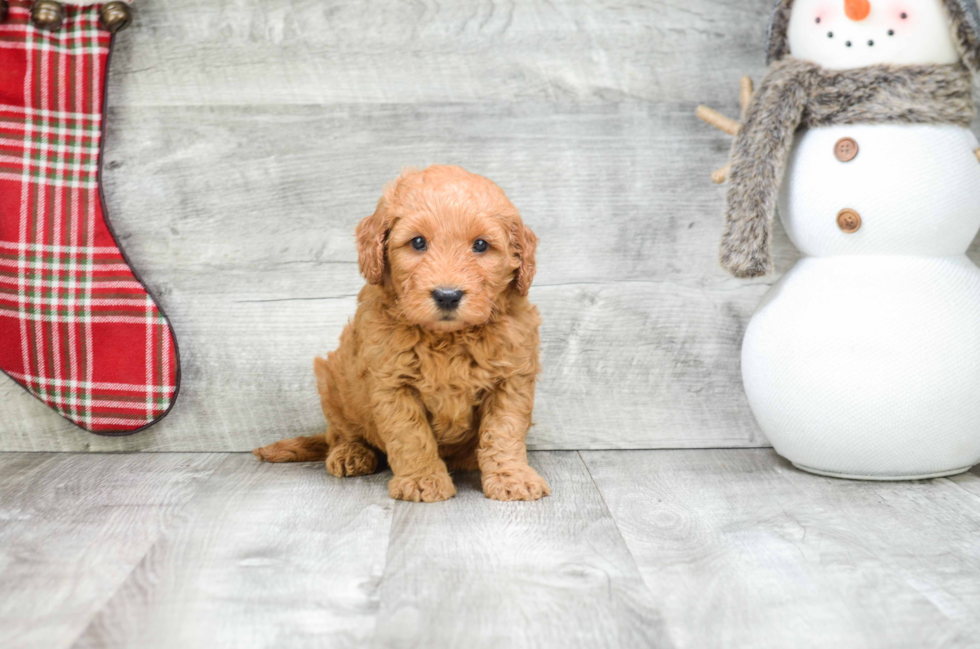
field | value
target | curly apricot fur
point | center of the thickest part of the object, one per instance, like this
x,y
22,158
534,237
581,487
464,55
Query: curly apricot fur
x,y
433,391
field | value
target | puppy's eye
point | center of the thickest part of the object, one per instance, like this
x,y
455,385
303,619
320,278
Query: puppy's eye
x,y
419,243
480,245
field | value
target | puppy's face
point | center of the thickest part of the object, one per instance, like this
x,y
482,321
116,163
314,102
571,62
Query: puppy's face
x,y
449,246
449,269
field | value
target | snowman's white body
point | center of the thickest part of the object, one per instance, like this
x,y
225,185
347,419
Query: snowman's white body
x,y
864,359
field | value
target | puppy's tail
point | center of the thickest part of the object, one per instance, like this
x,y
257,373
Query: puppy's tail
x,y
301,449
297,449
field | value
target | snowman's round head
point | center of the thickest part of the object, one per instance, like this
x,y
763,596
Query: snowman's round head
x,y
844,34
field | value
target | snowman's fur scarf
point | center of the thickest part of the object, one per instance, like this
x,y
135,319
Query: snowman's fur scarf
x,y
965,35
798,94
964,32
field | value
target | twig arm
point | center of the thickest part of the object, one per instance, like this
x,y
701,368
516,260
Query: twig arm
x,y
729,125
721,175
716,119
746,91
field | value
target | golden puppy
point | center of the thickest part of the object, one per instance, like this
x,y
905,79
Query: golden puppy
x,y
437,368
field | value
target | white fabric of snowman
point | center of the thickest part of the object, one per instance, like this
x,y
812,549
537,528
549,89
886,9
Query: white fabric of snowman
x,y
863,361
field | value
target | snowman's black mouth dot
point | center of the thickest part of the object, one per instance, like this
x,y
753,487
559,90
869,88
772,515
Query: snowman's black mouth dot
x,y
871,43
891,32
904,15
818,21
848,43
830,34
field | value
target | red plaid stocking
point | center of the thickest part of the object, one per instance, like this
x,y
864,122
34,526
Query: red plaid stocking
x,y
78,329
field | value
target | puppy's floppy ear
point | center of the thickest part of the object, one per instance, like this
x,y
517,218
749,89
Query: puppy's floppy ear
x,y
525,243
372,239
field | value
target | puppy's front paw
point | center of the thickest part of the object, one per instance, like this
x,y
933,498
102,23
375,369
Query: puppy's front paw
x,y
521,483
430,488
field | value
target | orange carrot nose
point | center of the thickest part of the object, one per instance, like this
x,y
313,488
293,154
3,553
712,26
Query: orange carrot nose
x,y
857,9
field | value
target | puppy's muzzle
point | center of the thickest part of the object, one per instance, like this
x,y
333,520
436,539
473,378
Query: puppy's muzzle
x,y
447,299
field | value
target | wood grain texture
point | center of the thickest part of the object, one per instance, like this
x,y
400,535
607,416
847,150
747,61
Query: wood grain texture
x,y
247,138
692,549
258,269
742,550
241,52
73,527
476,573
267,556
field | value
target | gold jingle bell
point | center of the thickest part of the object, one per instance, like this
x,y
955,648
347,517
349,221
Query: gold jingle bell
x,y
4,9
115,16
47,14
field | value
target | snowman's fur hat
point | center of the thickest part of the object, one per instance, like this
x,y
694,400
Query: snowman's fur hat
x,y
965,17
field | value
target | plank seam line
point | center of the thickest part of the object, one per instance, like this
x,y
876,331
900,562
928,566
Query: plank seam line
x,y
175,519
619,532
297,299
370,641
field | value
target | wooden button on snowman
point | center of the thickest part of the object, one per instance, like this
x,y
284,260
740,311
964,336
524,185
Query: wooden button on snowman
x,y
846,149
863,360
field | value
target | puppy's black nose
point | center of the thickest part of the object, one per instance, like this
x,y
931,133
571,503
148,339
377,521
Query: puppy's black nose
x,y
447,299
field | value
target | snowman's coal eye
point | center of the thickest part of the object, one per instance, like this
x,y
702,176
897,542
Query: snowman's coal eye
x,y
830,34
848,43
891,32
871,43
818,21
904,15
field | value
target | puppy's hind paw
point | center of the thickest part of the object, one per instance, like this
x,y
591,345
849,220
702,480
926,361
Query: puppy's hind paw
x,y
431,488
522,483
349,460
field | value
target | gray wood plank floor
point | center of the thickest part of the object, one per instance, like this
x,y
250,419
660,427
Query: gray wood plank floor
x,y
246,138
699,549
73,527
740,549
475,572
267,557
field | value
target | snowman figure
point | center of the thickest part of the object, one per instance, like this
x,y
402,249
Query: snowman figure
x,y
863,361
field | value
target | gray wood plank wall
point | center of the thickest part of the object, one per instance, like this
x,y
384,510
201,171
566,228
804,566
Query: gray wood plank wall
x,y
246,139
